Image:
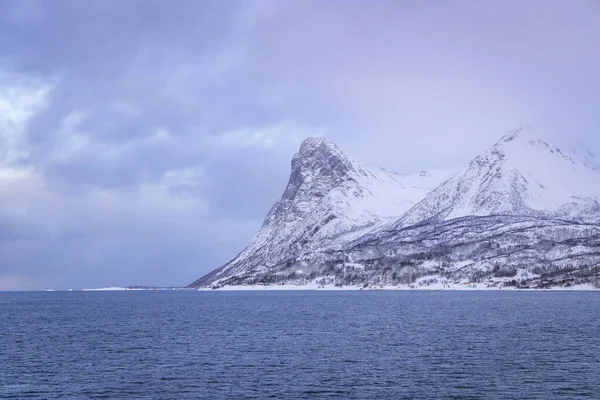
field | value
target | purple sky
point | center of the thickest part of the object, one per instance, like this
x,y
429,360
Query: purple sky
x,y
143,142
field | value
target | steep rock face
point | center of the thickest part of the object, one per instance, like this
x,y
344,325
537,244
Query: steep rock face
x,y
329,200
521,175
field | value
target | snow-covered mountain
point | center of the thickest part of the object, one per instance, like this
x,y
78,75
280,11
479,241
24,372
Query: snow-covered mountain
x,y
329,200
524,208
521,175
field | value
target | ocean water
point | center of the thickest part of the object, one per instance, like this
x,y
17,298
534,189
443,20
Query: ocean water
x,y
300,345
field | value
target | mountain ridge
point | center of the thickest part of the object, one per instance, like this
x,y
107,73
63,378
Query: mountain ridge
x,y
341,221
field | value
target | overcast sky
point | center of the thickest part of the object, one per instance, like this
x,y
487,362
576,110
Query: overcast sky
x,y
143,142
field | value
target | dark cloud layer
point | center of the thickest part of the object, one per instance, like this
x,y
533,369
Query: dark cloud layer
x,y
143,141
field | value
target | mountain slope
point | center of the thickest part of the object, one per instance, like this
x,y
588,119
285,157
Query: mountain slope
x,y
521,175
329,200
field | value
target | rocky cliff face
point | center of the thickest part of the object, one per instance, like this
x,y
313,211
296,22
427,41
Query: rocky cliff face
x,y
523,212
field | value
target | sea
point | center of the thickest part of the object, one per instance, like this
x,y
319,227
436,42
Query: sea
x,y
300,345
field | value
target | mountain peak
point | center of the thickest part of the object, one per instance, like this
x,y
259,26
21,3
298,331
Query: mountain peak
x,y
521,137
319,147
522,142
315,141
525,145
318,156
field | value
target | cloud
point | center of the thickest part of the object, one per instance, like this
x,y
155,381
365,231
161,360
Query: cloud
x,y
19,100
284,133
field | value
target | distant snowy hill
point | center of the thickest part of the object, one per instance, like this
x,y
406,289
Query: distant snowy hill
x,y
523,211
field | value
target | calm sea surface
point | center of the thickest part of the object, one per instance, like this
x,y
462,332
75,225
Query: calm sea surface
x,y
300,345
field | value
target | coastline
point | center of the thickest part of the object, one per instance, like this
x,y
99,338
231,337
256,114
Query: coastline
x,y
462,288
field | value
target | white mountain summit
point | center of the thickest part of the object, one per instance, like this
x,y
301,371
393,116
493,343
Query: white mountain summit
x,y
522,205
520,175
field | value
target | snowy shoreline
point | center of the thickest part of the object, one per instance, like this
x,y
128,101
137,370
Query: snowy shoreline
x,y
329,288
427,283
462,288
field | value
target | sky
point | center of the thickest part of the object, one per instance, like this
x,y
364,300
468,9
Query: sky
x,y
143,142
